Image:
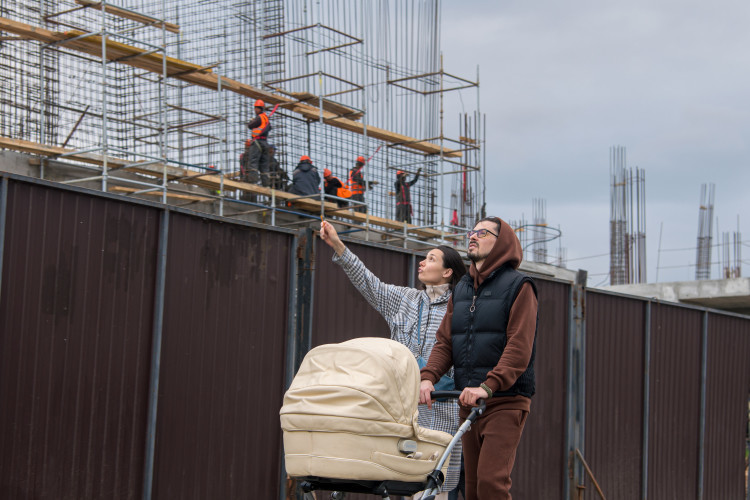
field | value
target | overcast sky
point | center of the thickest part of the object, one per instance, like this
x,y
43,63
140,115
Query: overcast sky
x,y
562,82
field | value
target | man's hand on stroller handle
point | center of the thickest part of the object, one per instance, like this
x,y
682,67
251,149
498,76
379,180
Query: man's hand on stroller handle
x,y
471,395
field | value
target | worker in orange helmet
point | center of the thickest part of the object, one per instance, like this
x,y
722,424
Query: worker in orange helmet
x,y
305,178
333,187
403,196
257,165
357,184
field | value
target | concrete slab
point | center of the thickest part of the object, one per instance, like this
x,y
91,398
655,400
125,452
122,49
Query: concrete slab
x,y
731,294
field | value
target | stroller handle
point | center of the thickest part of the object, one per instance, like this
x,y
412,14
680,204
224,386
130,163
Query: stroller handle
x,y
480,407
445,394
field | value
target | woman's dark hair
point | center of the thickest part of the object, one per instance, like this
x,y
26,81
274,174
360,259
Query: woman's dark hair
x,y
452,260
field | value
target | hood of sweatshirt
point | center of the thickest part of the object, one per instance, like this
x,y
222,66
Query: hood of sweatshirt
x,y
505,252
305,166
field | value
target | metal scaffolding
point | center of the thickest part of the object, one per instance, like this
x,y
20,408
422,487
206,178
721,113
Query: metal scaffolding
x,y
368,66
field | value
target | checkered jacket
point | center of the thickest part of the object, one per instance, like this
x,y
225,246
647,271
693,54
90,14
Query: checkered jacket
x,y
400,307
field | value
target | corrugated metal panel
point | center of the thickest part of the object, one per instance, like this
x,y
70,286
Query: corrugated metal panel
x,y
615,336
728,389
75,337
340,311
222,368
540,461
674,403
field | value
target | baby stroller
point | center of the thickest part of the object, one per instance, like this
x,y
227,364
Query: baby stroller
x,y
350,423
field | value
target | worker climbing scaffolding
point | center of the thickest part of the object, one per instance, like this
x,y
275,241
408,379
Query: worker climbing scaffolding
x,y
403,196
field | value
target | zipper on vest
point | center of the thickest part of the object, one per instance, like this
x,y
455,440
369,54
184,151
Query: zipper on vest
x,y
472,308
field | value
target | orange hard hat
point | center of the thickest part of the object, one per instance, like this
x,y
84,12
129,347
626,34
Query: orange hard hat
x,y
260,104
326,172
399,172
305,157
360,159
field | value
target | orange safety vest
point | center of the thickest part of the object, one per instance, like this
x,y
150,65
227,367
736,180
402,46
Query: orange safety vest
x,y
343,191
355,187
263,124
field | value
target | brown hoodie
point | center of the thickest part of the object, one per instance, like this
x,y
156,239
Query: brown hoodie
x,y
520,331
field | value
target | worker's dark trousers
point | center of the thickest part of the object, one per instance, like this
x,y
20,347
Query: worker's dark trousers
x,y
259,161
489,454
360,198
403,212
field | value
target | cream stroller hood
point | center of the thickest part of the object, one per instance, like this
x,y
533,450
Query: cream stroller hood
x,y
347,409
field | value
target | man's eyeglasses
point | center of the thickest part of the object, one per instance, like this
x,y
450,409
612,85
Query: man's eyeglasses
x,y
481,233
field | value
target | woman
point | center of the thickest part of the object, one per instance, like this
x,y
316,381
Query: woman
x,y
413,315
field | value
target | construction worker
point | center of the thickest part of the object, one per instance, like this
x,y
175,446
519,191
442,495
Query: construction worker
x,y
403,196
256,152
357,184
305,178
279,177
333,187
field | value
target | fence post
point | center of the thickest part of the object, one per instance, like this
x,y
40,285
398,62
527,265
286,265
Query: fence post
x,y
153,389
702,437
299,330
646,400
3,212
576,385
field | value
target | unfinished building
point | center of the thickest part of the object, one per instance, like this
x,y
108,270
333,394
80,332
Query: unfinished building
x,y
152,99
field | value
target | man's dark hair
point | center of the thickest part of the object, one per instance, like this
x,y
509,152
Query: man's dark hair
x,y
452,260
494,220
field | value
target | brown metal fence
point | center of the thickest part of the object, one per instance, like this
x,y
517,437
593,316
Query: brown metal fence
x,y
225,318
541,462
614,392
76,308
144,352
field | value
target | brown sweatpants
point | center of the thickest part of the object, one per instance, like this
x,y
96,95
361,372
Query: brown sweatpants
x,y
490,452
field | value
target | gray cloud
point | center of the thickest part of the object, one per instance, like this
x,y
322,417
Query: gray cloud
x,y
561,82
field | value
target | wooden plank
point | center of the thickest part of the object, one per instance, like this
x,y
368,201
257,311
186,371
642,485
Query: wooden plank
x,y
176,196
333,107
201,76
133,16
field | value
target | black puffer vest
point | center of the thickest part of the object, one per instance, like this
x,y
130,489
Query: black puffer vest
x,y
478,334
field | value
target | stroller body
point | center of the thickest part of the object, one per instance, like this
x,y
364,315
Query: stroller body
x,y
349,421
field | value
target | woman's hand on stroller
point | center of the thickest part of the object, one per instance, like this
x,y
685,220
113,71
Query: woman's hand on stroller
x,y
471,395
425,388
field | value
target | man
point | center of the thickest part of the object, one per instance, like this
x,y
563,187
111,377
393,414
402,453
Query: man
x,y
333,187
403,196
488,335
305,178
357,184
256,152
279,177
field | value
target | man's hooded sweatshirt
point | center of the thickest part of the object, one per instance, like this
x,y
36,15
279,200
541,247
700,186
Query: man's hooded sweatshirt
x,y
520,331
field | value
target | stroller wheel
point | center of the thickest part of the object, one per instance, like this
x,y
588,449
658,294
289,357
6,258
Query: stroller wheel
x,y
337,495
